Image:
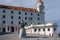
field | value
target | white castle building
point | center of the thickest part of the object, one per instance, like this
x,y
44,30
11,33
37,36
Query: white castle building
x,y
11,17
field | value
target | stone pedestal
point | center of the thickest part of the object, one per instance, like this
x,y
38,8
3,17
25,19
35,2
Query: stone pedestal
x,y
22,33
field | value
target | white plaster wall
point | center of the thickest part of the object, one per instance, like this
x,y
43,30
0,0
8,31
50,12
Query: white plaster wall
x,y
46,32
41,31
49,32
29,31
35,32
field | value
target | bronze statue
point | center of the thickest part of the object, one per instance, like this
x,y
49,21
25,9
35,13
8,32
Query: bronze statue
x,y
22,24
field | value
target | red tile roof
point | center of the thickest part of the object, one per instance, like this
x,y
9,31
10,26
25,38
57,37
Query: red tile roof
x,y
39,1
19,8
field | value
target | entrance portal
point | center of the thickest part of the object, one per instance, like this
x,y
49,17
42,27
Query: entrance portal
x,y
3,29
12,29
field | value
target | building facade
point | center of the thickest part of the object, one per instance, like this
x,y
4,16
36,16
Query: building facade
x,y
42,29
12,16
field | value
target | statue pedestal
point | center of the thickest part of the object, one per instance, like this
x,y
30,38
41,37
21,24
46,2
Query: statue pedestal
x,y
22,33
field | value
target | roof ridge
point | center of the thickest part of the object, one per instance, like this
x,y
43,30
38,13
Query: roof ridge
x,y
19,8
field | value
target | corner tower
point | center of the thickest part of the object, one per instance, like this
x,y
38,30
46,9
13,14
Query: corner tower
x,y
40,6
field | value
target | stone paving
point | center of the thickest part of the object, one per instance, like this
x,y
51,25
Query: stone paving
x,y
14,36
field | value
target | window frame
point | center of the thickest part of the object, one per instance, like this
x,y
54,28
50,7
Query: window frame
x,y
19,12
4,16
4,22
31,13
3,11
12,12
11,17
35,30
48,29
25,13
11,22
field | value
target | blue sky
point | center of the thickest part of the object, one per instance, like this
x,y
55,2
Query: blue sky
x,y
52,8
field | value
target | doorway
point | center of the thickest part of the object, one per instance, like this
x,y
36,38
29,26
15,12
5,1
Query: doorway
x,y
3,30
12,29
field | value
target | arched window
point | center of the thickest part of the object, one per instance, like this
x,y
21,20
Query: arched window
x,y
48,29
39,29
35,30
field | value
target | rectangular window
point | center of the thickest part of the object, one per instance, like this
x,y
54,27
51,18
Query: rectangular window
x,y
4,22
31,13
3,11
11,22
25,18
38,14
3,16
25,13
11,17
12,12
38,18
19,22
35,30
19,17
30,18
19,12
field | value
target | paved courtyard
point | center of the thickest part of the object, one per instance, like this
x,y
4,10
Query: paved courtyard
x,y
14,36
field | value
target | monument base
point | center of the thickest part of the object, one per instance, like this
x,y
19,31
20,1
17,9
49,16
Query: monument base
x,y
22,33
